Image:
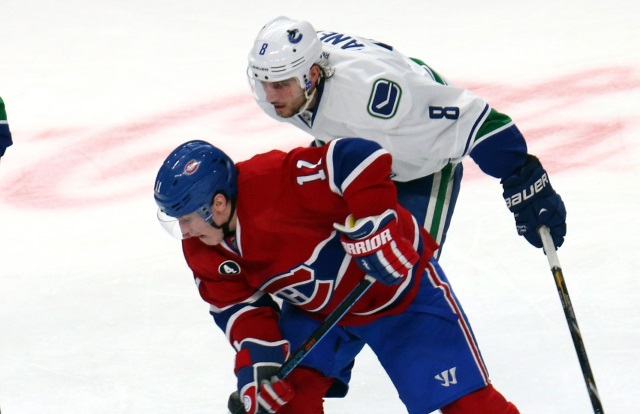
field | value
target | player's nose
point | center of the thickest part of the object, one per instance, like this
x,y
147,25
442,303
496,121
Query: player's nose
x,y
185,229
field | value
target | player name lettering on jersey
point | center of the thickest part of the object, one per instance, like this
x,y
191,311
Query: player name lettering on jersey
x,y
527,193
360,248
336,39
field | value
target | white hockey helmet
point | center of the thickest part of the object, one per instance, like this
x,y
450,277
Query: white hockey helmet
x,y
284,49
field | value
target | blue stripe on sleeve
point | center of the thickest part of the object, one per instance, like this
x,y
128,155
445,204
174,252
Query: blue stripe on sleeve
x,y
480,119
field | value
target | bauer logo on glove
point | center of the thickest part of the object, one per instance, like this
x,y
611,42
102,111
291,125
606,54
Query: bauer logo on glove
x,y
527,193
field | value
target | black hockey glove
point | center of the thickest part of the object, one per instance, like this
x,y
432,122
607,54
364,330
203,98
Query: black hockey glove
x,y
534,203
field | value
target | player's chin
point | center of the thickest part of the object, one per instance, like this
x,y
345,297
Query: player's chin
x,y
209,240
283,111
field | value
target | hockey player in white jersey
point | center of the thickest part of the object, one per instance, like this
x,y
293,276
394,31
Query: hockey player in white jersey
x,y
333,85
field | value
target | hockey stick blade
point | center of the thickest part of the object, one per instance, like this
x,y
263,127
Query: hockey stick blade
x,y
556,270
234,404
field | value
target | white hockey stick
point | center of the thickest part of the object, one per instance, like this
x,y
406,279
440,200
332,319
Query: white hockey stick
x,y
554,264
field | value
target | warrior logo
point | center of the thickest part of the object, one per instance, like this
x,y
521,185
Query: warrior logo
x,y
365,247
447,377
229,268
294,36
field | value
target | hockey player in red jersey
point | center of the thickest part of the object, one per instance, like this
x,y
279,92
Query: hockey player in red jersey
x,y
306,227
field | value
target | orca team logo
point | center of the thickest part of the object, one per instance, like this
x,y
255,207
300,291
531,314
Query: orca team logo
x,y
191,167
294,36
229,268
384,99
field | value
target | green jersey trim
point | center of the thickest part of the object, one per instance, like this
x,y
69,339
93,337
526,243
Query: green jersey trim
x,y
495,121
3,113
432,72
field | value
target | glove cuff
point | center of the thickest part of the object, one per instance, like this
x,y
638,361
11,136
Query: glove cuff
x,y
365,227
523,173
254,351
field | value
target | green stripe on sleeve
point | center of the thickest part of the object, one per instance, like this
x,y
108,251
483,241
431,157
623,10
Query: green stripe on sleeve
x,y
3,113
494,121
433,73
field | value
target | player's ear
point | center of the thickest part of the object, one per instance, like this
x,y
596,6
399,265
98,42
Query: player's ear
x,y
314,74
219,203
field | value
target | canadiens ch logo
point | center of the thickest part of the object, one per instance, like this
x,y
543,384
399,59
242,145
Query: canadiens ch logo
x,y
229,268
191,167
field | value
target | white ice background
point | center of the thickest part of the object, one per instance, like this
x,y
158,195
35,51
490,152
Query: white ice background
x,y
98,311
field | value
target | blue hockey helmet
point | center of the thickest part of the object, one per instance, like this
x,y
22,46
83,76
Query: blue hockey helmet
x,y
190,177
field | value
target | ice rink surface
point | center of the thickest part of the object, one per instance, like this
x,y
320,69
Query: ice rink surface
x,y
98,311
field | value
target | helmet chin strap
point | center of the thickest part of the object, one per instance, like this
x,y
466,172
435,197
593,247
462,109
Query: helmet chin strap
x,y
309,97
226,231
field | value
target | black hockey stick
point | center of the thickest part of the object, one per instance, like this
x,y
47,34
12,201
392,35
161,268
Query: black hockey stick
x,y
235,406
554,263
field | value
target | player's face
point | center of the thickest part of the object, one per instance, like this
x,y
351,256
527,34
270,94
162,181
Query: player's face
x,y
287,96
192,225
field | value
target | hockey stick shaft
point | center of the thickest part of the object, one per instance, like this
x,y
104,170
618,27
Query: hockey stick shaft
x,y
235,405
556,270
322,330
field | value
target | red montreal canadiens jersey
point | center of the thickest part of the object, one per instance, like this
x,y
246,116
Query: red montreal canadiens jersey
x,y
285,243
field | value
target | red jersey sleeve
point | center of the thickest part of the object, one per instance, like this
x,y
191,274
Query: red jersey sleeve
x,y
360,171
240,310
